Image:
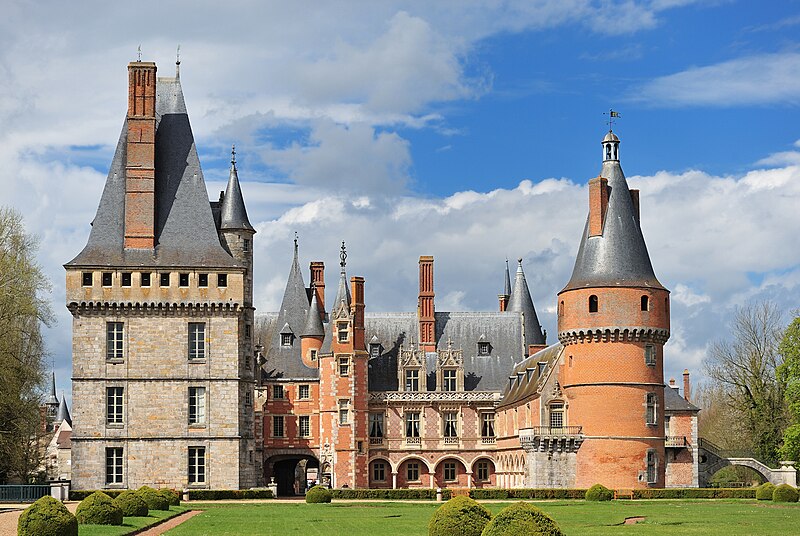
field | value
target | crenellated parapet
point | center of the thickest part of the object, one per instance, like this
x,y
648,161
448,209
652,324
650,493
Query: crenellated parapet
x,y
640,334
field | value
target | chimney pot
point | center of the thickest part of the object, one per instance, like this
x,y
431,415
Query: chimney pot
x,y
687,393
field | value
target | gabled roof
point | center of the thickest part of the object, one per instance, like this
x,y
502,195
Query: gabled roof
x,y
619,256
185,232
673,401
521,302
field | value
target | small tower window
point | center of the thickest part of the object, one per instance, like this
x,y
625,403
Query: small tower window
x,y
286,339
484,348
561,308
145,279
374,350
557,415
164,279
202,280
650,355
222,280
651,408
126,279
645,303
107,279
246,245
341,329
87,279
183,279
592,303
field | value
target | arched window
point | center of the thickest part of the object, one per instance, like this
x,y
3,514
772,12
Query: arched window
x,y
616,157
645,303
608,151
592,303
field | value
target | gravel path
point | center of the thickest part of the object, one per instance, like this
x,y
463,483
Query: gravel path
x,y
9,518
169,524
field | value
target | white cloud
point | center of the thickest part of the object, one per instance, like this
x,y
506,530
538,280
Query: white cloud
x,y
758,79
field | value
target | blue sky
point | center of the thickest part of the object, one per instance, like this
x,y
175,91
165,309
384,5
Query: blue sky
x,y
462,129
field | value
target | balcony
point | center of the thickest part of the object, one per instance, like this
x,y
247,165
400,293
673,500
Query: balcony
x,y
676,442
551,439
451,440
489,440
375,441
413,441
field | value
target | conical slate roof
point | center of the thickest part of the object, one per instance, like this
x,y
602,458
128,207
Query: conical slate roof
x,y
522,302
313,327
618,257
343,292
63,411
507,287
234,213
53,399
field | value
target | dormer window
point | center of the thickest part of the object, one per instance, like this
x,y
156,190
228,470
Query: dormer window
x,y
341,329
374,350
286,339
484,348
412,380
449,380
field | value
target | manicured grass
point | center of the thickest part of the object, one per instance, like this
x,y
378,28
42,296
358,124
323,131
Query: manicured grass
x,y
668,517
129,524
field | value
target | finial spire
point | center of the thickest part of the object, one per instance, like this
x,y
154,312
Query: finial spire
x,y
178,56
611,116
295,243
233,155
343,256
139,51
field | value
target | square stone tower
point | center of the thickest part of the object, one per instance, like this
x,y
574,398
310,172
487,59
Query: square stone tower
x,y
161,299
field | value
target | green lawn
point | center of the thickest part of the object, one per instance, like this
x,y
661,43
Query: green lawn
x,y
129,524
724,517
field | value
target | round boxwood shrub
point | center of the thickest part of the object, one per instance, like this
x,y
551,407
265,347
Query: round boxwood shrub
x,y
521,519
172,497
784,493
131,504
98,509
764,491
460,516
154,500
319,494
599,492
47,517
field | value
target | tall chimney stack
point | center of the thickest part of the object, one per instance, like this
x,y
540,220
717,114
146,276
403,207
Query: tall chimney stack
x,y
357,310
140,172
687,393
425,307
598,205
318,284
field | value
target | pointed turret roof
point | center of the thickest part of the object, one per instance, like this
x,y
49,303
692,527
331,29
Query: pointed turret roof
x,y
343,292
234,213
618,257
507,287
53,399
313,327
63,411
522,302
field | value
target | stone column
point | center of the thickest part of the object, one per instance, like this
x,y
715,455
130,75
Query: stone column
x,y
394,480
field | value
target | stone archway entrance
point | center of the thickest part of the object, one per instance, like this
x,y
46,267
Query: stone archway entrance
x,y
293,473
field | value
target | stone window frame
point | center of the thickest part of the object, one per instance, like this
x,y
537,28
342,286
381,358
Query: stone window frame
x,y
651,409
343,406
343,365
184,279
304,392
115,466
406,379
197,406
197,466
374,350
377,424
164,279
278,392
304,421
452,468
248,398
555,407
342,331
115,406
107,279
115,341
197,347
415,476
202,280
651,466
222,280
407,423
482,471
274,426
145,279
378,472
488,424
126,279
87,276
650,355
450,426
450,384
286,340
484,348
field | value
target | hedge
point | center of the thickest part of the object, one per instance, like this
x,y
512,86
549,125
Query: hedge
x,y
521,519
154,500
599,492
81,494
764,491
222,494
131,504
460,516
695,493
415,493
528,493
98,509
318,494
47,517
784,493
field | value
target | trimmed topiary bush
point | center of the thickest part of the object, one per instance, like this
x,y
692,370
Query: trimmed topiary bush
x,y
172,497
784,493
599,492
131,504
98,509
460,516
521,519
47,517
319,494
154,500
764,491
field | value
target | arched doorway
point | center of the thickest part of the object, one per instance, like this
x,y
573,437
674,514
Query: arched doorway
x,y
293,474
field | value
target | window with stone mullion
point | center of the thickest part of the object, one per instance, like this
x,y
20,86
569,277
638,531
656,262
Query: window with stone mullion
x,y
376,425
197,465
412,424
450,424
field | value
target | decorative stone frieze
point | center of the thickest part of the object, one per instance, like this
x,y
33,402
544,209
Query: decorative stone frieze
x,y
434,396
614,334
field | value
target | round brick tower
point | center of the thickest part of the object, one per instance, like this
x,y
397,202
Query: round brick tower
x,y
613,320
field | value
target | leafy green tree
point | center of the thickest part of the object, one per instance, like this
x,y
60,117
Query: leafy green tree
x,y
23,310
789,373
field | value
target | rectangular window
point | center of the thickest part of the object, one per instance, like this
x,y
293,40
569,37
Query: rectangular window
x,y
197,340
183,280
556,415
86,278
145,278
286,339
483,471
277,426
487,424
450,471
247,330
379,472
197,405
484,348
449,380
450,424
651,467
246,245
114,340
304,426
412,471
412,424
650,355
107,279
412,380
376,425
341,329
197,465
277,392
312,354
126,279
344,366
113,466
344,411
202,280
304,392
114,405
222,280
651,408
374,350
163,279
248,398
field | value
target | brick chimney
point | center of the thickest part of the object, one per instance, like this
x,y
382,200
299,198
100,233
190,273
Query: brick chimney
x,y
140,173
318,284
635,199
425,307
672,382
598,205
503,299
687,393
357,310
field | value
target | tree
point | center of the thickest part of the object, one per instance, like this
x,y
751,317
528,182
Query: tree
x,y
789,373
746,370
22,312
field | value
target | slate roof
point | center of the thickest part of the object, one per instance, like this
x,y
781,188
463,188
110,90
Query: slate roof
x,y
526,375
185,232
521,302
673,401
52,400
313,327
619,257
63,411
233,214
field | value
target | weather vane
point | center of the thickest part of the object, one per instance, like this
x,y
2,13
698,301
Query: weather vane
x,y
343,256
611,116
140,53
178,56
233,154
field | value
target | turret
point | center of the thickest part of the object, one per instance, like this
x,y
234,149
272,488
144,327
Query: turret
x,y
313,333
521,302
52,404
63,412
506,295
235,230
